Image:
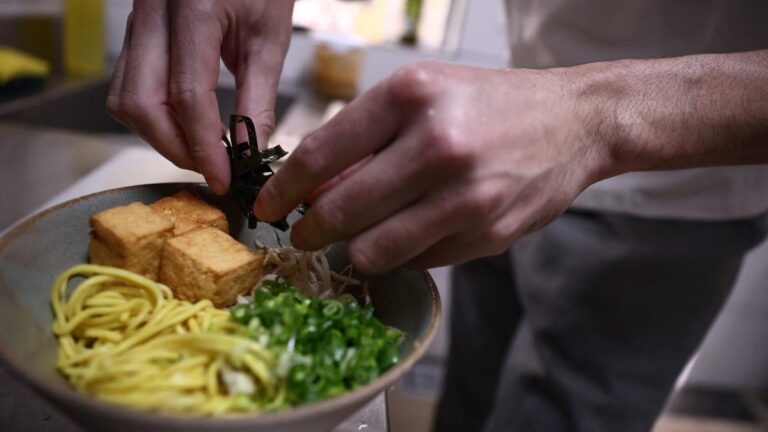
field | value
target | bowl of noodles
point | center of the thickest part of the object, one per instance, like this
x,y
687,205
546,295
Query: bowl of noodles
x,y
154,362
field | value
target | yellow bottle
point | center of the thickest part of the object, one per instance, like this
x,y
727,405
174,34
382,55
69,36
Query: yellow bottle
x,y
84,39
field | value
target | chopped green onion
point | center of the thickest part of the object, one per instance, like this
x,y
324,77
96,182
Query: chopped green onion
x,y
325,346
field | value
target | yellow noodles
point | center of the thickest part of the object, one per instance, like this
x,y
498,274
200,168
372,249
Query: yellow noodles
x,y
124,338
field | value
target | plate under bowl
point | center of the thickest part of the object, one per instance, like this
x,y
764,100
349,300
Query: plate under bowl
x,y
35,251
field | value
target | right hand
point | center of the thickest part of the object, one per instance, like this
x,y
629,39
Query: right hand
x,y
439,164
165,79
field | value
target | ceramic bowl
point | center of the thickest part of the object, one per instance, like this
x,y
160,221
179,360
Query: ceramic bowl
x,y
36,250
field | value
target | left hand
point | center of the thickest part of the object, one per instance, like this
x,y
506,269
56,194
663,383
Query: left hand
x,y
164,84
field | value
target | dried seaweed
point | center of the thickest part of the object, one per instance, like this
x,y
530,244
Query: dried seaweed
x,y
250,169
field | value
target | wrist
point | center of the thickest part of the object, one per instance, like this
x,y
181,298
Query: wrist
x,y
601,96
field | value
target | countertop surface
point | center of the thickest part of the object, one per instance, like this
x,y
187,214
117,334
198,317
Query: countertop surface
x,y
38,163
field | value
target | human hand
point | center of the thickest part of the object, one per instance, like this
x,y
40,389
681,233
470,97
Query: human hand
x,y
438,164
165,79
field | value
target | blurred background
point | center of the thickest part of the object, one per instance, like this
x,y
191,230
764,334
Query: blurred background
x,y
56,143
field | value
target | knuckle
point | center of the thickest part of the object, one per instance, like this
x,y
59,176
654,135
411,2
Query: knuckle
x,y
480,202
415,82
330,217
184,94
446,203
368,260
496,240
202,151
265,121
182,98
179,163
128,106
113,106
133,110
445,145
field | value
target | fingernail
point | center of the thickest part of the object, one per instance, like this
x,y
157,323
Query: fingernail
x,y
297,238
259,210
216,186
263,212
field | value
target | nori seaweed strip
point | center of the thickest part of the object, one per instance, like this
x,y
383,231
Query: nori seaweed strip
x,y
250,170
272,154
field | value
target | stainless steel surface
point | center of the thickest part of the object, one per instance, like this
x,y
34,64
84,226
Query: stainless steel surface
x,y
69,105
80,106
38,163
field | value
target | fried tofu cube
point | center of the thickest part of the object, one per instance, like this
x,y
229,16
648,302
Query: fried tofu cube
x,y
189,212
209,264
130,237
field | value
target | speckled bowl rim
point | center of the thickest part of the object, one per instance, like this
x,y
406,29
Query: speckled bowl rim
x,y
306,411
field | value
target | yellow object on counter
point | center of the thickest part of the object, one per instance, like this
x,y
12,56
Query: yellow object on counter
x,y
84,38
16,64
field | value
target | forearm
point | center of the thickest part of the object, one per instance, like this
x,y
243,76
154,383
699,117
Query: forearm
x,y
675,113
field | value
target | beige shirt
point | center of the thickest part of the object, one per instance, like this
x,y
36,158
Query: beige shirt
x,y
548,33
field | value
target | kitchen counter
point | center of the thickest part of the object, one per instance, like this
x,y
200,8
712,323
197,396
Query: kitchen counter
x,y
38,163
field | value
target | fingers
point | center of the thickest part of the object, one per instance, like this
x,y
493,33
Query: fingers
x,y
391,180
195,41
424,236
453,222
360,129
164,84
257,72
491,237
330,184
142,101
256,95
407,234
452,250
